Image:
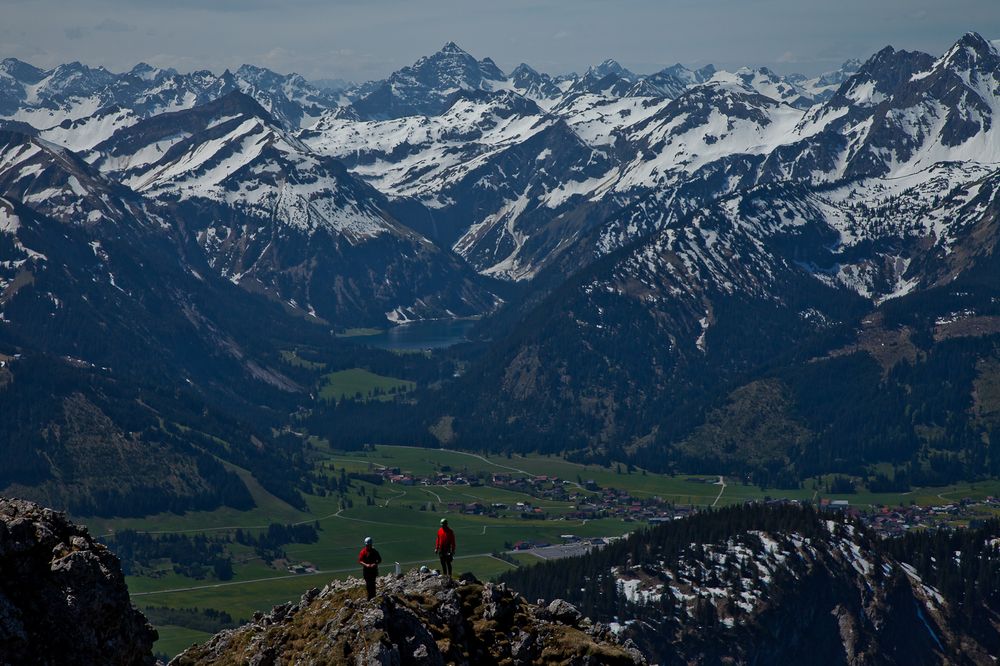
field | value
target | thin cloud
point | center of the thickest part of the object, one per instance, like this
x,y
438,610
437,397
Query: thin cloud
x,y
113,25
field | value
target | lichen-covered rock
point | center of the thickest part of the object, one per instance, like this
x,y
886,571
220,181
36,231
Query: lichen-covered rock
x,y
563,611
63,598
419,619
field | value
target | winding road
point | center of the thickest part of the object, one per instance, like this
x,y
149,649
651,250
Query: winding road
x,y
721,482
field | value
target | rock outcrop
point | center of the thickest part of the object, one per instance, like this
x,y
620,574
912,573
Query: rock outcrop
x,y
418,618
63,598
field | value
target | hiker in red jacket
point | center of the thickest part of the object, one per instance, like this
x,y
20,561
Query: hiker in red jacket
x,y
445,546
369,559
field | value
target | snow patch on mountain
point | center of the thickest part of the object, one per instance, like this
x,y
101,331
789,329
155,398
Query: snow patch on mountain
x,y
9,226
419,156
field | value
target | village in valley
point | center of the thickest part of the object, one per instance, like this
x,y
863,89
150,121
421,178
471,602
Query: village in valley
x,y
889,521
590,501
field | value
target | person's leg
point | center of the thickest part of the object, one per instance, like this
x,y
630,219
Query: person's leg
x,y
370,586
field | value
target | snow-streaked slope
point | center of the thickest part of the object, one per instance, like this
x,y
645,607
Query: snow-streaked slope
x,y
74,96
10,224
494,165
901,113
768,84
674,80
536,86
289,98
277,219
420,156
880,238
598,119
57,183
85,133
707,123
232,152
822,87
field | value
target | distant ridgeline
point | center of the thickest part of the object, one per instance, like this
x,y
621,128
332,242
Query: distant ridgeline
x,y
783,584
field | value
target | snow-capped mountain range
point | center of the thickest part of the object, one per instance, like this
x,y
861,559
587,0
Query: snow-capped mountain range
x,y
515,174
677,137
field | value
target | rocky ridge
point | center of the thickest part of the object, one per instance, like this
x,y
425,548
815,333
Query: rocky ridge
x,y
417,618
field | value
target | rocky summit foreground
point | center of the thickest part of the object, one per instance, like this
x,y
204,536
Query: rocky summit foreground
x,y
418,618
63,598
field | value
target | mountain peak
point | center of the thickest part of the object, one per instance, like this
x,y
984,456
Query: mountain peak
x,y
11,62
524,69
147,72
890,68
882,55
73,66
610,66
975,40
970,52
674,69
708,69
21,70
453,48
250,70
239,102
262,76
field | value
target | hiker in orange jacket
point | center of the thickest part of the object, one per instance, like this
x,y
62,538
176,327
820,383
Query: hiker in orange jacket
x,y
445,546
369,559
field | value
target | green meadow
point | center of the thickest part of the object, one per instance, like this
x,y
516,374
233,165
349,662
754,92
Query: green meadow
x,y
403,521
359,383
359,332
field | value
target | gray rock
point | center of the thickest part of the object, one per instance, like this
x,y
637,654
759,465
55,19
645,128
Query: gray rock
x,y
565,612
418,619
63,598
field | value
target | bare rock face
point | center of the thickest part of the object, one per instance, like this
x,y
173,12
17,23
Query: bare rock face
x,y
63,598
565,612
418,619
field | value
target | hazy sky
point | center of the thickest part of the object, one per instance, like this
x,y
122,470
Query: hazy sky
x,y
365,39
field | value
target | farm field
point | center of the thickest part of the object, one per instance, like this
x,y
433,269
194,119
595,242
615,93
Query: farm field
x,y
173,640
358,382
403,521
292,358
359,332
